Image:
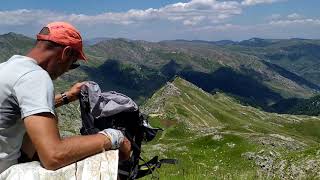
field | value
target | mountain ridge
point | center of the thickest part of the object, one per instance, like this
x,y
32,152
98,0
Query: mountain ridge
x,y
214,131
146,66
209,130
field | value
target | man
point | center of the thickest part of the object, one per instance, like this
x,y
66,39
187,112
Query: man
x,y
27,103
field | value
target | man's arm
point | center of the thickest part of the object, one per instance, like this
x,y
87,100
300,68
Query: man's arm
x,y
55,152
27,146
72,95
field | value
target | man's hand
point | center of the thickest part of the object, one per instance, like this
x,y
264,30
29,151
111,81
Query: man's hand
x,y
74,91
125,150
118,141
115,136
72,95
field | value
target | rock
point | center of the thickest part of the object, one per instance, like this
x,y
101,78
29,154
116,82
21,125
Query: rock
x,y
169,90
275,140
217,137
215,168
271,164
182,148
282,137
265,162
103,166
248,155
231,145
310,165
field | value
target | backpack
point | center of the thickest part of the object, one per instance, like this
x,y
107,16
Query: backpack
x,y
102,110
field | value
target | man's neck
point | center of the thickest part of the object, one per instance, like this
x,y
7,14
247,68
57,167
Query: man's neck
x,y
40,57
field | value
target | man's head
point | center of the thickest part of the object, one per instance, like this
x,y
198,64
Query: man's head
x,y
60,45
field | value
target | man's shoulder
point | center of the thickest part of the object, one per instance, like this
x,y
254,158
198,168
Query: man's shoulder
x,y
23,62
19,66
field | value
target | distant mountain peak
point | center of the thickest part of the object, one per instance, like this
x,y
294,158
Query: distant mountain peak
x,y
13,34
94,41
255,39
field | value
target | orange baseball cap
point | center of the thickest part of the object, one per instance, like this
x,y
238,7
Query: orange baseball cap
x,y
64,34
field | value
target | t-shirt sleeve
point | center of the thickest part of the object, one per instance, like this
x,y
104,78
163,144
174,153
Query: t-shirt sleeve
x,y
35,93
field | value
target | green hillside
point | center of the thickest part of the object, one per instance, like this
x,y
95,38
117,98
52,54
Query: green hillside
x,y
299,106
215,137
139,68
206,65
300,56
212,134
12,43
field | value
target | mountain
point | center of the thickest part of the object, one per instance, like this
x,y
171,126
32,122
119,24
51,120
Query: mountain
x,y
309,107
206,65
12,43
139,68
215,136
255,42
93,41
300,56
206,125
224,42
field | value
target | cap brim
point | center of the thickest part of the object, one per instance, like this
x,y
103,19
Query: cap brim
x,y
82,56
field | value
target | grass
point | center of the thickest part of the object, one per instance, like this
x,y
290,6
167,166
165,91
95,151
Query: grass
x,y
210,133
199,155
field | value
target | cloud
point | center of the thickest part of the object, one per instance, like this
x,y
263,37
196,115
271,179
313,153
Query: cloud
x,y
286,22
196,19
194,12
190,13
24,17
281,27
295,16
254,2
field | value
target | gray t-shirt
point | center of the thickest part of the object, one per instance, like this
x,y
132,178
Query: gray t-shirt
x,y
25,89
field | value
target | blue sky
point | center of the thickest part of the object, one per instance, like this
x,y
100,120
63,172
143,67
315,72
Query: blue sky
x,y
155,20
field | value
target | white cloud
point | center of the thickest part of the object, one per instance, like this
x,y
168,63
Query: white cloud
x,y
196,19
286,22
295,16
283,27
254,2
190,13
24,17
194,12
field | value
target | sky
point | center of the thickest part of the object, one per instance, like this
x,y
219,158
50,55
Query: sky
x,y
156,20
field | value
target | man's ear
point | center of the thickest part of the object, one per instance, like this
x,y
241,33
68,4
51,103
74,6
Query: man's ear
x,y
66,53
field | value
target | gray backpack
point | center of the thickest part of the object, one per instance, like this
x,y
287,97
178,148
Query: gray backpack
x,y
102,110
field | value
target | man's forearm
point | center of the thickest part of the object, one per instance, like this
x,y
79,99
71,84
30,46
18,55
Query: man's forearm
x,y
58,101
55,152
72,94
75,148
